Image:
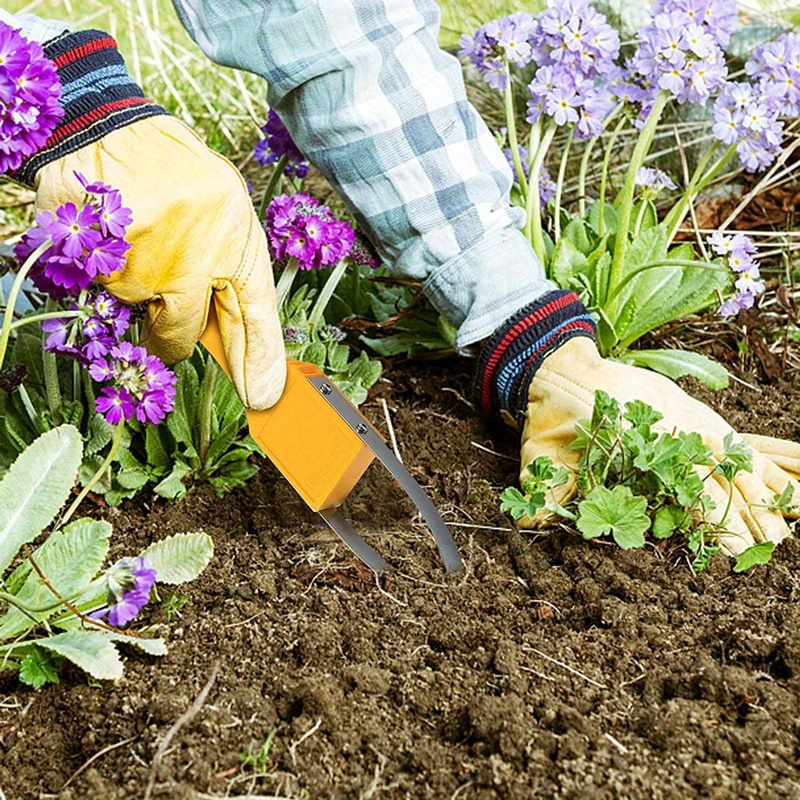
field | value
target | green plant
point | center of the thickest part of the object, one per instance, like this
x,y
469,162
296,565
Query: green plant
x,y
56,594
632,479
260,759
173,605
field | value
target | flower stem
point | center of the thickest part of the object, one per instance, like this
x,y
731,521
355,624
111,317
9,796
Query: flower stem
x,y
52,389
533,210
285,282
562,171
698,182
604,176
272,185
115,443
513,143
587,153
8,315
327,292
626,195
207,391
19,323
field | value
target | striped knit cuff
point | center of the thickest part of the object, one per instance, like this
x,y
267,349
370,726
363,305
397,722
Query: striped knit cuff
x,y
510,357
98,97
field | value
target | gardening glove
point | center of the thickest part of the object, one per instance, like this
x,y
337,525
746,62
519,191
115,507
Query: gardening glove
x,y
542,369
194,233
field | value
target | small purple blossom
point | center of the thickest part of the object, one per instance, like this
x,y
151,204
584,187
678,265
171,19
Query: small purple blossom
x,y
279,143
130,582
654,179
29,98
299,227
739,251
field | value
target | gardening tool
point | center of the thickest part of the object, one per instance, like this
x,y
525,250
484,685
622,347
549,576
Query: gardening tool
x,y
322,445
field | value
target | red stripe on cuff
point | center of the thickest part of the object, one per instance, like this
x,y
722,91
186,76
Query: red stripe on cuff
x,y
106,43
83,121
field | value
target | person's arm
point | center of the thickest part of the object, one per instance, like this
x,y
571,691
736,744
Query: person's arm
x,y
373,102
32,27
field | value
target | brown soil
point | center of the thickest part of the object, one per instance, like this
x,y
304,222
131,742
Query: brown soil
x,y
550,668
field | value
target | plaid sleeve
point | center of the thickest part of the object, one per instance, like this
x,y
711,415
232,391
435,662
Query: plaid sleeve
x,y
376,105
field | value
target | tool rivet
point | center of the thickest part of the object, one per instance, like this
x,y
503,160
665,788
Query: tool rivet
x,y
325,388
361,428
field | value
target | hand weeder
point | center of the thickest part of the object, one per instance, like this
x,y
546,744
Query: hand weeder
x,y
322,445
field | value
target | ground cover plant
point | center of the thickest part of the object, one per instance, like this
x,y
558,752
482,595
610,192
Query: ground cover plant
x,y
554,666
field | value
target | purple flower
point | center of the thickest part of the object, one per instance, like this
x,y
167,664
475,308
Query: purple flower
x,y
299,227
739,250
653,178
114,404
279,143
130,582
74,231
29,98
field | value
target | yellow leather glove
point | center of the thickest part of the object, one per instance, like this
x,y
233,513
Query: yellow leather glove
x,y
194,233
562,392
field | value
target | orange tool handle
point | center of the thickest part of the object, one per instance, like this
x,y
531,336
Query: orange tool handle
x,y
306,439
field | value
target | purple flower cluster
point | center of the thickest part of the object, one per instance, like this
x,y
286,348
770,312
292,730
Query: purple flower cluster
x,y
299,227
130,582
29,98
573,47
739,251
279,143
748,114
133,383
745,116
547,186
680,52
84,242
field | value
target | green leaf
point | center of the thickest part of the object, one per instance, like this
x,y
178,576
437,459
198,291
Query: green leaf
x,y
667,520
518,505
157,455
644,215
180,558
566,262
180,421
173,487
93,651
783,501
678,363
70,559
38,668
35,487
578,235
760,553
610,218
614,511
638,413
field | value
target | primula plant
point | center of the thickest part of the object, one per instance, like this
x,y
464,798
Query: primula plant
x,y
634,482
617,252
59,601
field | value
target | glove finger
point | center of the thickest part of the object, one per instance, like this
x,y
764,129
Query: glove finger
x,y
175,321
782,452
750,495
776,480
250,327
735,534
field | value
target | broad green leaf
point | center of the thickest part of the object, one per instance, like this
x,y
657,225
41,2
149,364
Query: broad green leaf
x,y
93,651
610,218
644,215
615,511
35,487
338,355
173,487
667,520
233,474
783,501
180,558
515,503
578,234
315,353
70,559
180,421
760,553
37,668
566,262
156,452
677,363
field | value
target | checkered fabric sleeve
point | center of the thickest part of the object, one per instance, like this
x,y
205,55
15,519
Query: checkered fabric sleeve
x,y
381,110
98,96
510,357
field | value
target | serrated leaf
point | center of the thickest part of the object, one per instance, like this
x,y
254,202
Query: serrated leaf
x,y
35,487
38,668
180,558
518,505
157,455
760,553
615,511
667,520
70,559
172,487
678,363
92,651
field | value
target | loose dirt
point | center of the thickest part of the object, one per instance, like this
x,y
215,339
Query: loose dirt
x,y
550,668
